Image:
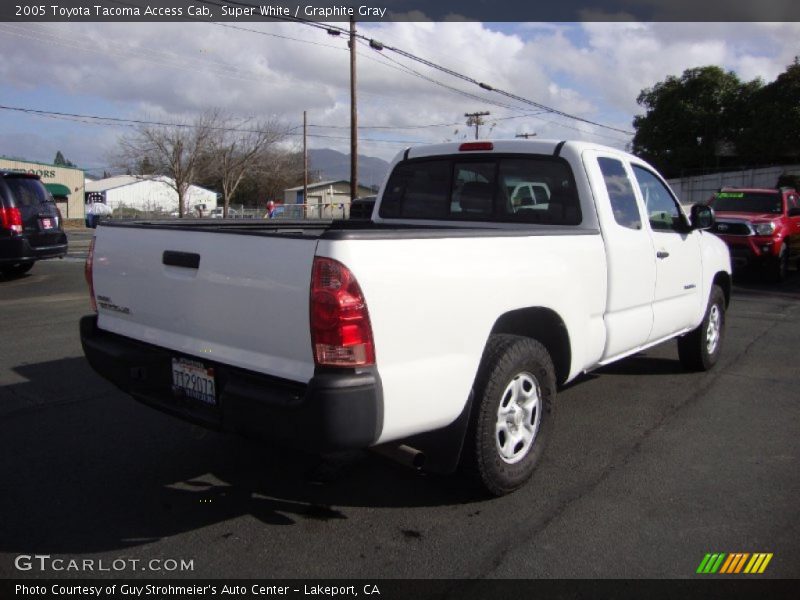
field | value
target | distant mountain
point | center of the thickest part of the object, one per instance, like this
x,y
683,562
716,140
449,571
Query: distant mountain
x,y
331,164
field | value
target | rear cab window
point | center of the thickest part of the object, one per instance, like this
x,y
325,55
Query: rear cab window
x,y
487,188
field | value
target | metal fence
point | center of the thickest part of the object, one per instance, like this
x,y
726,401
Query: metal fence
x,y
332,210
336,210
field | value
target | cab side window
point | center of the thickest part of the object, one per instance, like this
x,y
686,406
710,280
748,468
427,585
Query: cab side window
x,y
620,193
662,209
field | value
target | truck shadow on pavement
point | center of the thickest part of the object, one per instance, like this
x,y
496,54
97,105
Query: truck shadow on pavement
x,y
91,470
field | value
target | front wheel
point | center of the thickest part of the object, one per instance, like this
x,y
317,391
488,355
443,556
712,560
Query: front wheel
x,y
514,394
699,349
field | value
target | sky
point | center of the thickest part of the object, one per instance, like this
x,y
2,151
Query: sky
x,y
174,71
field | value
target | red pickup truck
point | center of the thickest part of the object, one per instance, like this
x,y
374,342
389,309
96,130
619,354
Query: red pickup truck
x,y
760,227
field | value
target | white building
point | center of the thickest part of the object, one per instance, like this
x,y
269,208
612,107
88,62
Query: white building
x,y
148,194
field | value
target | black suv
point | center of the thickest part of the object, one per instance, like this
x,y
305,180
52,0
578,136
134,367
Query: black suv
x,y
30,223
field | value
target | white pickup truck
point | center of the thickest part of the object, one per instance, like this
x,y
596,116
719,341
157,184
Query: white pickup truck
x,y
441,328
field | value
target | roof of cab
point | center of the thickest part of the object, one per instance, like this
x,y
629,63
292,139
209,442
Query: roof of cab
x,y
535,146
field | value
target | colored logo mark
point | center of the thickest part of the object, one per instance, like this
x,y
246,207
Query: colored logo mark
x,y
735,563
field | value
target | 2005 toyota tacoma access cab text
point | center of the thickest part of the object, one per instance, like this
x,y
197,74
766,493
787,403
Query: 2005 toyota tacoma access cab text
x,y
440,328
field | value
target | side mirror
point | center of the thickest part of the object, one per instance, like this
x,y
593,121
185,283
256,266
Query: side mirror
x,y
702,216
794,212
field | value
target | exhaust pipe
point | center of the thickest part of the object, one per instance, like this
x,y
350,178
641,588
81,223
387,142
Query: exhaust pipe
x,y
405,455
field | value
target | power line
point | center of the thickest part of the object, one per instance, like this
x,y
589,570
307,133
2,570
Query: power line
x,y
510,95
99,120
171,61
375,44
229,71
226,70
408,70
223,69
81,118
425,126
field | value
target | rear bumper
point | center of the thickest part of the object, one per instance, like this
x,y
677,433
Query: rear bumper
x,y
18,249
333,411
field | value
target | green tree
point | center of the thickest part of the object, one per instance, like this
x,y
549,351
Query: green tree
x,y
60,161
693,121
773,135
146,167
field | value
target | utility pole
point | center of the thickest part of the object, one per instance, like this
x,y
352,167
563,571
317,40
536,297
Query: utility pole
x,y
476,120
525,135
353,114
305,163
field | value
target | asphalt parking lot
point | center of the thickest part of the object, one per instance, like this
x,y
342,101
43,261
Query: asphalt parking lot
x,y
649,468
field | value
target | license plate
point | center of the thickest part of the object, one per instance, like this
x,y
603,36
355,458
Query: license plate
x,y
47,223
193,380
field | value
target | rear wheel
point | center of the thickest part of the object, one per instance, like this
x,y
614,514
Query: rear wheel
x,y
699,349
17,269
514,394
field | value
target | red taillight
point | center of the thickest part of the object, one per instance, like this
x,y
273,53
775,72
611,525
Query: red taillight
x,y
341,333
11,218
473,146
88,272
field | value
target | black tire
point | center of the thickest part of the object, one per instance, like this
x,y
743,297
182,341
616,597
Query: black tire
x,y
512,368
699,349
18,269
780,268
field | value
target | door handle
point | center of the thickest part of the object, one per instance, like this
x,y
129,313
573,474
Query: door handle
x,y
187,260
662,254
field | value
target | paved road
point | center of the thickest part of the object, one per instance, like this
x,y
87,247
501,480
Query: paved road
x,y
78,243
648,469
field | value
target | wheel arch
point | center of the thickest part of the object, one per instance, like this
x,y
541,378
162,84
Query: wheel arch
x,y
544,325
723,280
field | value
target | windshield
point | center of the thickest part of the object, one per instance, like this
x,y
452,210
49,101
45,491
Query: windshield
x,y
751,202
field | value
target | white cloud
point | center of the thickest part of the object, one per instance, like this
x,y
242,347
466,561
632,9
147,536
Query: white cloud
x,y
173,71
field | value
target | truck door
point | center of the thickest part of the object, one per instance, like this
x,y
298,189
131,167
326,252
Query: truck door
x,y
677,299
629,253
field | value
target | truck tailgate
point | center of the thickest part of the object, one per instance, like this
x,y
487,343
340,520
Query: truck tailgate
x,y
238,299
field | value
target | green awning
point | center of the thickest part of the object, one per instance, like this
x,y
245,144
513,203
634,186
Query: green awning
x,y
57,189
